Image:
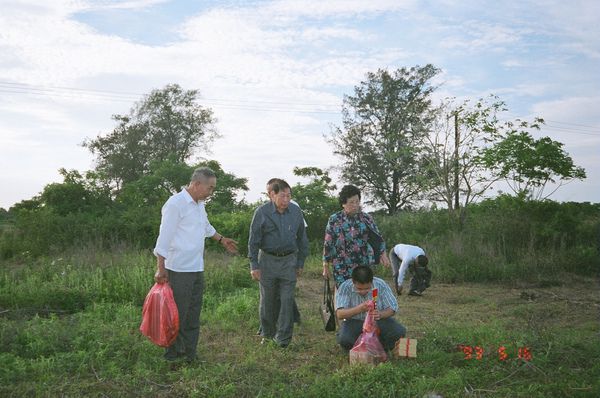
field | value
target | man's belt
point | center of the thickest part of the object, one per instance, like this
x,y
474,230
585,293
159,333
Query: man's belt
x,y
279,254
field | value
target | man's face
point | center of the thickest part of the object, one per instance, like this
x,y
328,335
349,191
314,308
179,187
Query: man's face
x,y
282,199
362,288
205,188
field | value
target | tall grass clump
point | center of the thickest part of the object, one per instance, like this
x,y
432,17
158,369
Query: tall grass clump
x,y
504,239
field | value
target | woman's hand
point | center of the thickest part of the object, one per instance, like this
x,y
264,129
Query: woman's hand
x,y
326,270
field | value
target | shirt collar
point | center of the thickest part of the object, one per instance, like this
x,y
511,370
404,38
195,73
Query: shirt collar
x,y
274,208
188,197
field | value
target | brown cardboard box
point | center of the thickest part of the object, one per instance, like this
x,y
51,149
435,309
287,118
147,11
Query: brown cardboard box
x,y
366,357
405,348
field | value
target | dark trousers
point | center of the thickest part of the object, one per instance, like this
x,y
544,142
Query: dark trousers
x,y
421,278
390,329
188,288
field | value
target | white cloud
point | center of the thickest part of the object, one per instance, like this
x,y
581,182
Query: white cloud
x,y
577,110
333,8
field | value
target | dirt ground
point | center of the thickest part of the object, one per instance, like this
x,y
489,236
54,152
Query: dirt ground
x,y
574,304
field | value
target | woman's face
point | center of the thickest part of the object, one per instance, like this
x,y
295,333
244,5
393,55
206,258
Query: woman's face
x,y
352,205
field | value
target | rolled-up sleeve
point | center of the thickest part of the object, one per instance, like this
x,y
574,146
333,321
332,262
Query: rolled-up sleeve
x,y
386,298
342,296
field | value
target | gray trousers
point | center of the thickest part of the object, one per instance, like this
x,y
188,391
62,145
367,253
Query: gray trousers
x,y
188,288
277,287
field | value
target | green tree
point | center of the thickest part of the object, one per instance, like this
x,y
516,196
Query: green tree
x,y
166,123
316,199
229,188
459,134
383,128
75,194
528,165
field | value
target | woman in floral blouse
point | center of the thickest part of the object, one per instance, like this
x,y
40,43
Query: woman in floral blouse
x,y
351,238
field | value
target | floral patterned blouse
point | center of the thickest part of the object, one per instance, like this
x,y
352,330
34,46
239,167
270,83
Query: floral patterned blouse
x,y
347,243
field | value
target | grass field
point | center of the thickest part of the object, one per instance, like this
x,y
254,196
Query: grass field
x,y
71,329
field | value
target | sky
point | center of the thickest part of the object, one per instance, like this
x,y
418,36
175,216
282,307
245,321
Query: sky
x,y
275,74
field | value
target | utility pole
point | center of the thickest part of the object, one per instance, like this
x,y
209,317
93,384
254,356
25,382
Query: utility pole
x,y
456,162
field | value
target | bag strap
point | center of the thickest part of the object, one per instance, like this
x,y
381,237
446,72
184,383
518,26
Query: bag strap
x,y
327,294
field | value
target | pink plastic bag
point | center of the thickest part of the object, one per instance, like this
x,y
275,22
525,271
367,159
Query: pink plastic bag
x,y
368,348
160,319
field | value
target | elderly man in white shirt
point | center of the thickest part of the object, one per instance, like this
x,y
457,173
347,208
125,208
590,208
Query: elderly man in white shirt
x,y
412,259
180,257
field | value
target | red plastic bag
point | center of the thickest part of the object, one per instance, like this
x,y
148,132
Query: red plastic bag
x,y
368,348
160,319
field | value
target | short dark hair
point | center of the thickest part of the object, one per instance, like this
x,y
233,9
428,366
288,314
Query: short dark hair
x,y
271,183
422,260
347,192
362,274
280,185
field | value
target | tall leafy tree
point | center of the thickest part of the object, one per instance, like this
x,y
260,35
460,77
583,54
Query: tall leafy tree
x,y
167,123
316,198
381,137
225,199
459,134
76,194
528,164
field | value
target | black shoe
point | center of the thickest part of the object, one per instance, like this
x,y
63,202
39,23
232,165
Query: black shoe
x,y
283,345
415,293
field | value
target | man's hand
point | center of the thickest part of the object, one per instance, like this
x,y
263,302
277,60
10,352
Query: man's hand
x,y
161,276
255,273
376,314
385,260
298,272
366,306
230,245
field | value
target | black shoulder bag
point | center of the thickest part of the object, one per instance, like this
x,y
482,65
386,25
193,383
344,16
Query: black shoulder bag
x,y
326,308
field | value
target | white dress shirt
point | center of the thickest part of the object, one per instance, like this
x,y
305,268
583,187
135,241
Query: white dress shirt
x,y
183,227
406,253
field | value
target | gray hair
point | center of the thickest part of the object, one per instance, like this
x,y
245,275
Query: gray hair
x,y
203,174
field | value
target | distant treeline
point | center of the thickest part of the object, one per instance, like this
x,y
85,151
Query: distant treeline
x,y
505,238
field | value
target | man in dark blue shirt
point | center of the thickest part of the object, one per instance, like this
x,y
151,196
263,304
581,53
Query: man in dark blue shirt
x,y
277,248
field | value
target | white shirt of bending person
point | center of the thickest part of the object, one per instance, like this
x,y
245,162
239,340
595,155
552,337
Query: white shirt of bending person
x,y
406,253
184,226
